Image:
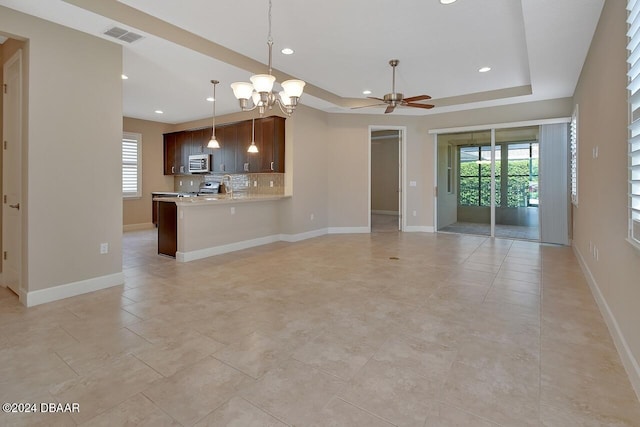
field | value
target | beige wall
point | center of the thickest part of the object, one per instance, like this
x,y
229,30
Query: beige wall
x,y
601,216
138,211
348,147
73,129
306,170
384,174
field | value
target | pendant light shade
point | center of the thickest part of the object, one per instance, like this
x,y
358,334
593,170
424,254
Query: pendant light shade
x,y
253,148
213,142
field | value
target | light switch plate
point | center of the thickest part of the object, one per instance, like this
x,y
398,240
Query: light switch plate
x,y
412,183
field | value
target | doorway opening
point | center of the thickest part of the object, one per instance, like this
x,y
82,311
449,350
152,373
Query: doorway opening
x,y
11,174
386,201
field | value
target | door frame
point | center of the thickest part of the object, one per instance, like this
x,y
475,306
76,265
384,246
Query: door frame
x,y
487,127
15,58
402,202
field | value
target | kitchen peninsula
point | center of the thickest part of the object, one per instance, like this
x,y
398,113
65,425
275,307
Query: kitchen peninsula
x,y
191,228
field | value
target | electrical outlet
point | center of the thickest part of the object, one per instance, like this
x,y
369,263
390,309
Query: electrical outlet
x,y
190,182
233,210
104,248
180,183
311,217
255,183
415,213
270,183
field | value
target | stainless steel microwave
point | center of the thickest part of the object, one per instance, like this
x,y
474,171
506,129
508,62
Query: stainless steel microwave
x,y
199,163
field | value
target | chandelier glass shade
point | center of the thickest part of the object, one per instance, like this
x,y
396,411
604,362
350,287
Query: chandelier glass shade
x,y
259,93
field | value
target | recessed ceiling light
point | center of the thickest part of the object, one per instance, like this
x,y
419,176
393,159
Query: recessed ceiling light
x,y
124,77
210,99
366,92
159,112
447,1
484,69
287,51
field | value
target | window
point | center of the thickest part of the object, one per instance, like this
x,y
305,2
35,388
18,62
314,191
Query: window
x,y
633,55
131,165
475,176
573,152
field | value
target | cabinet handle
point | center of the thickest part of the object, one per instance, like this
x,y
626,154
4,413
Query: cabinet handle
x,y
173,169
271,165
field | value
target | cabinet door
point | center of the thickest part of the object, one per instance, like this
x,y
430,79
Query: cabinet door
x,y
170,153
228,143
245,161
272,143
183,147
278,145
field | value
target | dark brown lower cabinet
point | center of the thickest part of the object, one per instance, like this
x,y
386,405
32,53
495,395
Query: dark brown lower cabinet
x,y
167,228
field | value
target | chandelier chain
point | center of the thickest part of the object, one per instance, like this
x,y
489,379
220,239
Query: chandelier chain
x,y
270,40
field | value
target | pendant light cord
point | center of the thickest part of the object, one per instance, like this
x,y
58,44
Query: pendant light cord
x,y
214,82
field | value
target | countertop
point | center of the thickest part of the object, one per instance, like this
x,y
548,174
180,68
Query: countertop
x,y
218,199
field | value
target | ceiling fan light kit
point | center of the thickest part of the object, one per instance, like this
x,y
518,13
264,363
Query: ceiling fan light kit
x,y
395,99
260,90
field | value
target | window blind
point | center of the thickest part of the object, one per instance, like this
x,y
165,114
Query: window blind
x,y
131,165
633,56
573,152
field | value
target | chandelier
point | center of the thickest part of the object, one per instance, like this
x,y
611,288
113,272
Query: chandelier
x,y
260,90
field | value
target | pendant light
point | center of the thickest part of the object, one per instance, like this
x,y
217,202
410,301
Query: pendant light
x,y
213,142
253,148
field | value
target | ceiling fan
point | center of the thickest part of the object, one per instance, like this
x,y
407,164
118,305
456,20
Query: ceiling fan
x,y
394,99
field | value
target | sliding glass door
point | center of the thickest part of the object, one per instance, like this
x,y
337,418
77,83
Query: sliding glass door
x,y
515,177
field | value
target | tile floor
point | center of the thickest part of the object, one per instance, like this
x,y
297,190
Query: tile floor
x,y
458,331
502,231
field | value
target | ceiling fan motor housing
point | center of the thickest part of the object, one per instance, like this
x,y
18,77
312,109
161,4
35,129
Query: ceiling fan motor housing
x,y
393,98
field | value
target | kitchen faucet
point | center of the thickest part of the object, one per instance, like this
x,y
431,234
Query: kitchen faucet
x,y
227,185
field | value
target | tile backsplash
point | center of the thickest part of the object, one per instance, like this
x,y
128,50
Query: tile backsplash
x,y
250,183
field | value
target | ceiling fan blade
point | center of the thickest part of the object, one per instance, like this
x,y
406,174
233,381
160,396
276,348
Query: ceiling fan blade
x,y
390,109
411,104
367,106
417,98
373,97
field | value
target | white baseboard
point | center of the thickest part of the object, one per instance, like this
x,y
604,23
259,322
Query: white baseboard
x,y
136,227
223,249
418,229
379,212
628,360
348,230
71,289
303,236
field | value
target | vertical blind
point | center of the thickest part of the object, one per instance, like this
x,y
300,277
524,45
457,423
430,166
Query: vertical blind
x,y
633,56
573,147
131,170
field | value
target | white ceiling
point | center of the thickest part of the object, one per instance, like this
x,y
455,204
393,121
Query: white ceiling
x,y
535,48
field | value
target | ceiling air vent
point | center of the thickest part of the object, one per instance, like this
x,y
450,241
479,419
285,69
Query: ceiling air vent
x,y
122,34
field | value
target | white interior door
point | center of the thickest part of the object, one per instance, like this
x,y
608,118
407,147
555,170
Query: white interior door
x,y
12,173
